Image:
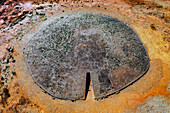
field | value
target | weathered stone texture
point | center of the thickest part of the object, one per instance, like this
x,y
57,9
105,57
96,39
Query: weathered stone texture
x,y
62,52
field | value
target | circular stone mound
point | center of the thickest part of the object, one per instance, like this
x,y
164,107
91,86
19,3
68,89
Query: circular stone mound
x,y
62,52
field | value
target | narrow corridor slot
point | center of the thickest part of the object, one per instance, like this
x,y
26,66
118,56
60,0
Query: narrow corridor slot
x,y
88,79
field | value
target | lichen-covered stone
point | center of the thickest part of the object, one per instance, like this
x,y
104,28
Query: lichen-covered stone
x,y
63,51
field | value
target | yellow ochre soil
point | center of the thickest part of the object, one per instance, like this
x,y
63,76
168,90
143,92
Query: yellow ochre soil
x,y
149,18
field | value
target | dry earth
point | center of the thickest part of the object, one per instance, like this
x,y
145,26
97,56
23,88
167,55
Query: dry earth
x,y
149,18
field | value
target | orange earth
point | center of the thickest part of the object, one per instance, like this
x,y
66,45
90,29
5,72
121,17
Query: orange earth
x,y
149,18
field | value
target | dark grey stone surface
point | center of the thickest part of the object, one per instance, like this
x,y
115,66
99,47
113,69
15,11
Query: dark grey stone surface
x,y
61,53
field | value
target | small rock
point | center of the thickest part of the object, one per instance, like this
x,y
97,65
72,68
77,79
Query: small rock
x,y
50,5
17,7
8,3
25,12
14,13
29,15
19,14
153,27
40,7
39,12
25,20
5,18
1,21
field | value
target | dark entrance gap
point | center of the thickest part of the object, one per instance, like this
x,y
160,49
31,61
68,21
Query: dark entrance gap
x,y
88,79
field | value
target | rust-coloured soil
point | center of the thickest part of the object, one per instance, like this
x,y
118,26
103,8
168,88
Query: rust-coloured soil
x,y
149,19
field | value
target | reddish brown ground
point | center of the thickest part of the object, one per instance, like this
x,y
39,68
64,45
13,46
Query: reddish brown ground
x,y
149,19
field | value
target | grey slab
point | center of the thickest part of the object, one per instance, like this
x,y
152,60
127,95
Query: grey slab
x,y
62,52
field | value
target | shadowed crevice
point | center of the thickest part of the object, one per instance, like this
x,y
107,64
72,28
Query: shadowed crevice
x,y
88,79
